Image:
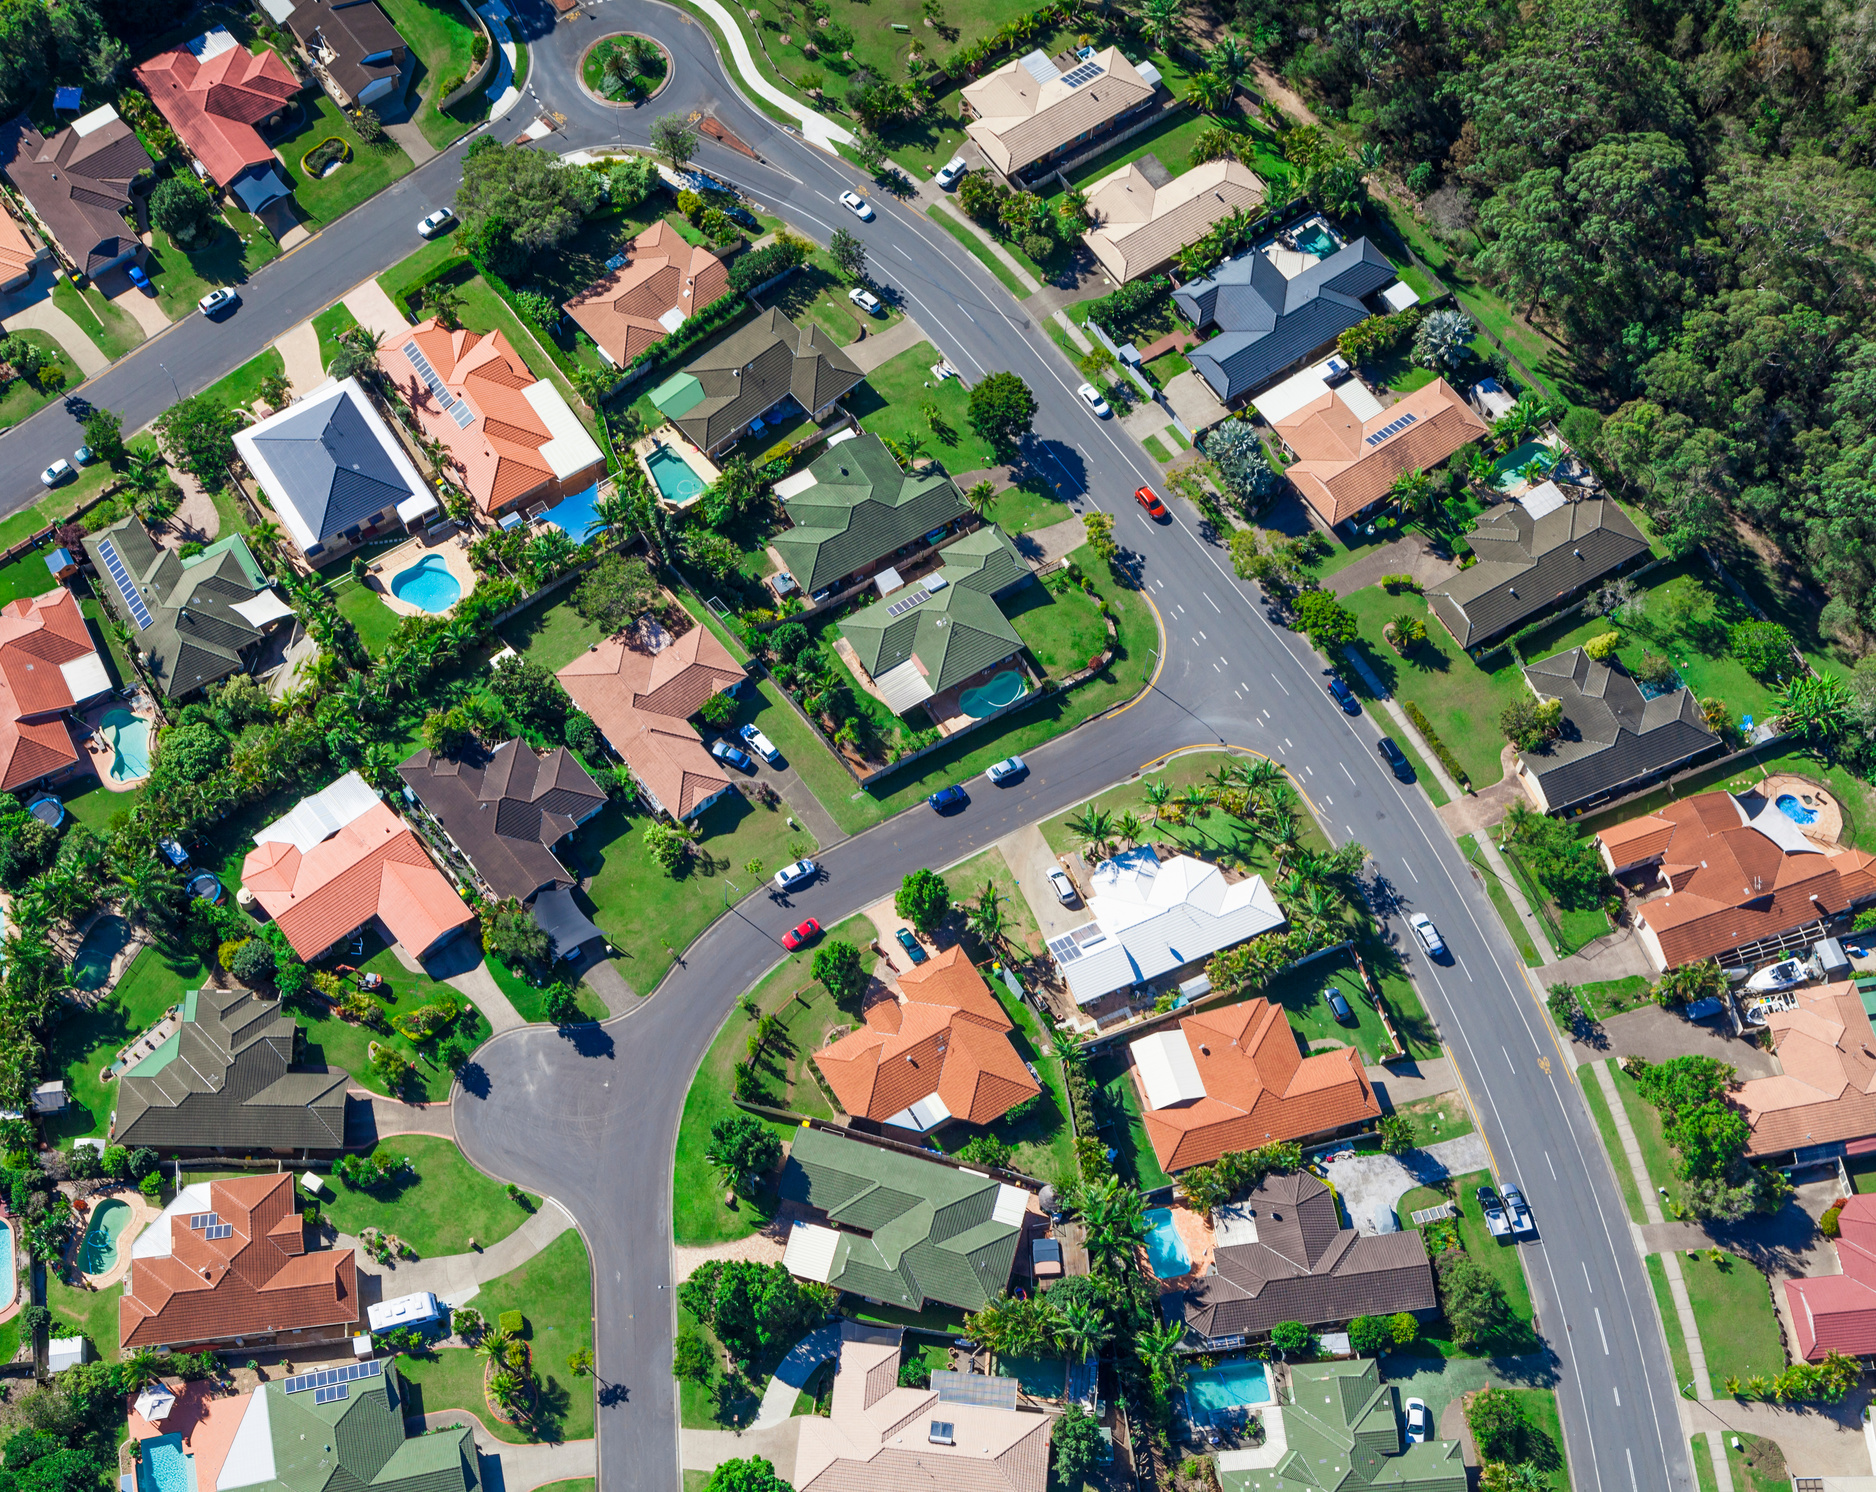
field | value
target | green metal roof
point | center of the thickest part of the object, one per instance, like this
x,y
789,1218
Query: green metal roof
x,y
358,1441
1342,1432
159,1058
677,395
860,508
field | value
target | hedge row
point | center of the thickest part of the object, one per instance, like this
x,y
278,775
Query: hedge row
x,y
1447,759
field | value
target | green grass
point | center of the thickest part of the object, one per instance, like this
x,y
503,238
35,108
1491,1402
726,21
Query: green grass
x,y
554,1292
1028,505
1759,1464
1501,1261
722,1401
328,324
550,631
96,806
1020,930
1670,1321
530,999
817,292
1734,1315
242,387
1657,1154
1540,1412
120,672
1614,996
24,398
1598,1105
364,608
441,37
1060,625
1442,1117
78,1312
112,329
891,403
26,576
1507,913
1001,272
368,171
1117,1117
1173,141
400,277
438,1210
183,276
1154,449
1570,928
1698,1450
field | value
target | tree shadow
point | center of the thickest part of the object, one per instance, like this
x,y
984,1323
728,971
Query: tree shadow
x,y
474,1078
589,1040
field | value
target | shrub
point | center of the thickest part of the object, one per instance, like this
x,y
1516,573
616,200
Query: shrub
x,y
253,962
1603,645
512,1322
1443,340
1329,624
1435,744
1499,1428
1395,584
1378,335
1397,1134
1236,451
691,1356
1528,723
1292,1336
766,263
1831,1223
1763,647
1370,1334
1473,1301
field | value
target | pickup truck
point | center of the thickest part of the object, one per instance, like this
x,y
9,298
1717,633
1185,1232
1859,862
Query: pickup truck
x,y
1519,1210
1494,1210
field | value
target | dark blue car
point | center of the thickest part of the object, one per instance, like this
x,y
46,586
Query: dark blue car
x,y
1344,696
948,798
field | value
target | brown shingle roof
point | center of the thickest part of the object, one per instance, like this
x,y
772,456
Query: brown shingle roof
x,y
757,366
662,274
351,30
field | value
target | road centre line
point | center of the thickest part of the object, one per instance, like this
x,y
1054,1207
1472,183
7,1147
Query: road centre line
x,y
1600,1332
1412,872
1215,606
1509,1063
1345,772
1279,683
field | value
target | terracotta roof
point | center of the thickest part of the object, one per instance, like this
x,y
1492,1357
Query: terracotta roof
x,y
1259,1087
1346,464
214,104
47,665
1826,1091
257,1280
1020,117
372,867
641,701
663,282
1139,226
1837,1313
948,1035
18,253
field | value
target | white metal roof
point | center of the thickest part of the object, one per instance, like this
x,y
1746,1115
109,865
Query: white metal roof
x,y
416,506
1400,295
154,1241
888,580
810,1253
1544,498
250,1459
1284,399
64,1352
794,486
571,449
1167,1069
903,687
928,1113
322,815
85,677
1012,1204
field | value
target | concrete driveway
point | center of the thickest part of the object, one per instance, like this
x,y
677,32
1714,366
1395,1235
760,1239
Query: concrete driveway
x,y
1657,1035
1371,1183
1030,861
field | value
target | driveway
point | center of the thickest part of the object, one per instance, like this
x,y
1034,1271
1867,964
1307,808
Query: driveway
x,y
1402,1083
519,1468
458,1278
1030,861
32,306
1369,1184
1656,1035
1441,1381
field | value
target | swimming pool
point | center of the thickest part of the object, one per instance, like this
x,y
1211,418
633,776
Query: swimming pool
x,y
1316,239
1165,1249
986,699
1505,470
428,585
91,969
129,736
165,1466
1231,1385
8,1286
1794,810
673,475
98,1253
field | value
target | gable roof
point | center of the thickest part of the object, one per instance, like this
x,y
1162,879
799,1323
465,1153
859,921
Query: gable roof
x,y
1305,1266
213,92
1837,1313
509,434
1348,463
506,808
911,1230
1611,735
1139,226
1267,322
47,665
256,1278
946,1036
1257,1087
751,371
226,1077
329,463
1527,564
662,284
78,182
854,505
1826,1090
342,34
1027,108
642,701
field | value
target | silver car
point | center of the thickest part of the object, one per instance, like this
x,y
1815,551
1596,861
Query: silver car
x,y
432,225
1063,888
950,172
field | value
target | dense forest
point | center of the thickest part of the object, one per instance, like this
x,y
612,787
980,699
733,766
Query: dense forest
x,y
91,42
1681,191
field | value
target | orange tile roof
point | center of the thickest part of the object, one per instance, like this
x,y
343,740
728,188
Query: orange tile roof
x,y
1259,1087
37,635
1827,1090
373,867
17,254
947,1036
641,701
662,274
1339,473
258,1280
213,106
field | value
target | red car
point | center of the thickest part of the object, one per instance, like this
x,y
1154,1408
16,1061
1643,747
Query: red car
x,y
806,933
1149,500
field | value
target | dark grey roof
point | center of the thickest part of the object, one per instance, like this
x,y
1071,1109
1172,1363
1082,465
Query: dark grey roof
x,y
1611,736
335,469
752,370
1267,323
1527,565
352,31
861,508
1306,1267
226,1080
78,184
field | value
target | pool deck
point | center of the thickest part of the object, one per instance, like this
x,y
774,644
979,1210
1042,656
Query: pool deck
x,y
946,708
1826,830
672,439
141,1216
453,547
207,1425
103,755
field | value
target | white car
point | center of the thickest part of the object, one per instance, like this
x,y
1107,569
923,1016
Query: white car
x,y
1427,933
57,472
857,205
790,876
951,171
433,225
866,301
1419,1421
1063,888
217,300
760,744
1091,396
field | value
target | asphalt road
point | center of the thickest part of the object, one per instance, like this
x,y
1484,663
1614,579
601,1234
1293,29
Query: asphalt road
x,y
592,1117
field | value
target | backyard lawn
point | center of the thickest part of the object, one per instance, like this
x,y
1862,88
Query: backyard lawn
x,y
1117,1118
550,631
1733,1311
899,400
364,608
368,170
24,397
1060,624
442,39
78,1312
436,1210
89,801
1172,143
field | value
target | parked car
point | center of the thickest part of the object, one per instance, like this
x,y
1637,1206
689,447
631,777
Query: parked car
x,y
857,205
1062,886
948,798
950,172
742,215
216,301
1010,769
1031,1067
866,301
57,472
138,277
1703,1010
1149,499
806,932
1428,934
1494,1211
1519,1211
433,224
1344,696
1091,396
82,456
1338,1006
734,756
791,876
760,744
913,949
1395,758
1419,1421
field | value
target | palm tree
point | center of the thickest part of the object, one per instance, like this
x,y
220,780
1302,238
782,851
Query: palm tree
x,y
139,1370
495,1344
1210,94
1081,1328
612,514
1129,827
1283,836
1159,1350
152,889
1095,826
1158,795
1115,1215
1194,797
1257,775
1230,60
977,496
1413,494
984,917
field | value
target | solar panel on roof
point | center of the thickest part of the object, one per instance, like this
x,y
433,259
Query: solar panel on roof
x,y
900,608
1386,430
218,1230
445,400
463,415
1086,73
120,577
332,1393
323,1379
1065,949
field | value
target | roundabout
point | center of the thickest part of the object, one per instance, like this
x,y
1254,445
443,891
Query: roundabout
x,y
624,69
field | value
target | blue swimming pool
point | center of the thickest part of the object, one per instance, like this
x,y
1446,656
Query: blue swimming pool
x,y
8,1285
1316,239
673,475
987,698
428,585
129,735
165,1466
1230,1385
91,968
1794,810
1164,1247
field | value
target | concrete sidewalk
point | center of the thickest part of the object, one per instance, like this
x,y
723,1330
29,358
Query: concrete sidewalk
x,y
883,348
457,1278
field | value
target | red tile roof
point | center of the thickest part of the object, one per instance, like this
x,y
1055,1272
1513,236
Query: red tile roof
x,y
37,635
662,274
258,1280
1826,1089
213,106
1837,1313
1339,472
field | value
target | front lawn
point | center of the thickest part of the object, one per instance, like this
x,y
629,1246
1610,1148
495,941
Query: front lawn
x,y
817,292
368,170
182,277
1758,1465
1614,996
24,397
901,400
968,880
1545,1436
1060,625
327,325
1500,1261
530,999
437,1210
239,389
1031,504
112,329
1733,1312
1442,1117
1569,928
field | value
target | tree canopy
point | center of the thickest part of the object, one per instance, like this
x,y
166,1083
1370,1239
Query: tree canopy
x,y
515,201
1001,410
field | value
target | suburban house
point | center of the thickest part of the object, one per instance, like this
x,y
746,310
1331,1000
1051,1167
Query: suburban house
x,y
651,288
1823,1098
20,253
227,1263
1153,916
900,1230
855,512
1340,1415
225,1080
286,1427
218,96
1837,1312
332,469
940,1050
762,374
1349,458
341,862
1233,1078
505,810
356,52
641,690
512,441
1267,323
923,643
194,620
48,665
1611,739
1139,226
1283,1255
1038,110
1730,877
1534,554
880,1436
78,185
